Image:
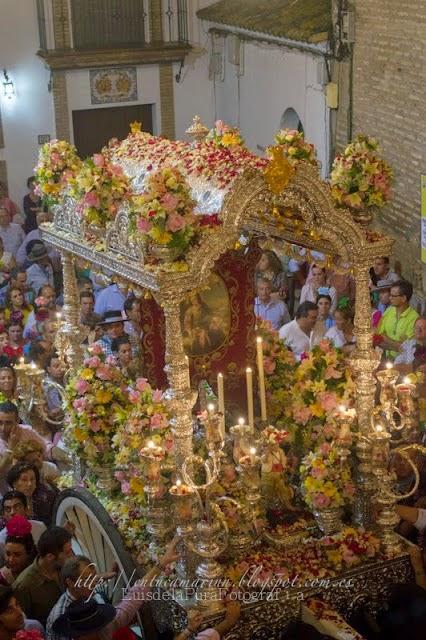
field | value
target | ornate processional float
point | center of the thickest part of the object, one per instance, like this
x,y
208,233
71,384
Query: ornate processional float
x,y
158,215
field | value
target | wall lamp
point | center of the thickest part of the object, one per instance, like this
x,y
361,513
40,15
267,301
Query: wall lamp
x,y
8,86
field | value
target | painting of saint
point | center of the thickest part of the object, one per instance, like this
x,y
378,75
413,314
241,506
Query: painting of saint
x,y
206,318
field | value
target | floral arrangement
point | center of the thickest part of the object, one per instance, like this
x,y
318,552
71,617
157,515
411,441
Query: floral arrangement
x,y
322,382
295,148
359,177
100,187
97,405
58,164
218,164
302,563
28,635
279,365
223,135
148,420
272,436
325,481
164,214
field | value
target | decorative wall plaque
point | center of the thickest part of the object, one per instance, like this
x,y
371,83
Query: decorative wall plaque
x,y
113,84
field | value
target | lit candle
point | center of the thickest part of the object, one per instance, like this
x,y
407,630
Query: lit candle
x,y
210,409
261,373
250,406
221,401
252,455
241,422
389,365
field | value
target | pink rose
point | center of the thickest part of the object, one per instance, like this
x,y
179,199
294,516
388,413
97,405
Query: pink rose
x,y
96,349
328,400
142,384
325,345
95,425
111,360
115,170
91,199
302,415
220,126
82,386
120,475
175,222
157,395
99,160
125,488
331,372
93,362
79,404
134,396
104,373
325,449
157,421
169,202
143,225
321,501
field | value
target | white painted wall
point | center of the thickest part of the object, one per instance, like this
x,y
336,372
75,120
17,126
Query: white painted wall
x,y
78,89
30,113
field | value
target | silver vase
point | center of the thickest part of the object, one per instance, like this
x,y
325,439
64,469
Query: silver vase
x,y
164,253
329,521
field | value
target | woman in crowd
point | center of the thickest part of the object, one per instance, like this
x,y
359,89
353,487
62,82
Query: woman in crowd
x,y
7,264
17,310
270,268
15,348
122,349
32,452
317,285
8,383
20,549
342,334
325,319
25,477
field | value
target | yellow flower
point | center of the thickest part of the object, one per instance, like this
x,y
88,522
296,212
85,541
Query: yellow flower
x,y
136,486
229,139
79,434
103,397
316,410
87,374
162,237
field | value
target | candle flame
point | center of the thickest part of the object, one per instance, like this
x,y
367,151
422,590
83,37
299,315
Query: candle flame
x,y
178,482
379,428
248,370
259,339
151,445
252,451
389,365
33,365
241,421
407,380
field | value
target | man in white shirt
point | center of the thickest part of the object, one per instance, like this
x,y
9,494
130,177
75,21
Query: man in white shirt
x,y
273,311
296,334
110,299
382,270
11,233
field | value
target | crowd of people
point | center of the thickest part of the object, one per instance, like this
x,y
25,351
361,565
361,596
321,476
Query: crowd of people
x,y
43,584
306,303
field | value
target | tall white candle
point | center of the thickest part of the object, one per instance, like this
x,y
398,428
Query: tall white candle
x,y
261,374
221,401
250,405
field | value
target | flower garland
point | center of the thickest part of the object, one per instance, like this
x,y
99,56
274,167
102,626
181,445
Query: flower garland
x,y
223,135
58,163
100,187
97,404
148,420
325,481
218,164
295,148
324,558
359,177
164,214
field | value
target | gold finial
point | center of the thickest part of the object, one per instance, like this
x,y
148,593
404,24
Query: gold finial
x,y
197,130
135,127
279,171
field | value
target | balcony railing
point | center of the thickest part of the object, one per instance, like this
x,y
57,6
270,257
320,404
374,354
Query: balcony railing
x,y
117,24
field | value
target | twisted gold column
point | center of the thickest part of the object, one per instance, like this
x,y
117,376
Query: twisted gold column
x,y
177,370
363,363
70,332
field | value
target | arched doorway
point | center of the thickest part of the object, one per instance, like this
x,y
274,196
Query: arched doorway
x,y
290,120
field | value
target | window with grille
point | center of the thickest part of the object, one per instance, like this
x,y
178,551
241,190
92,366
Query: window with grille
x,y
108,24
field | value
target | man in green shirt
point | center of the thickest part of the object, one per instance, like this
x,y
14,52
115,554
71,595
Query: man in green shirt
x,y
39,586
397,322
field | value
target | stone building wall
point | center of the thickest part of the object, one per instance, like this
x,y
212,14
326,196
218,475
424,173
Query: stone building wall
x,y
389,102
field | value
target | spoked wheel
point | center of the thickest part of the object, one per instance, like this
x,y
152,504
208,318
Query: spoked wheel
x,y
96,537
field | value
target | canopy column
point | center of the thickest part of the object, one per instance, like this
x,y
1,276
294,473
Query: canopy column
x,y
70,336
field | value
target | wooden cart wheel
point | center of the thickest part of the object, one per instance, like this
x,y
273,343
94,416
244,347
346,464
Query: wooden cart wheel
x,y
96,537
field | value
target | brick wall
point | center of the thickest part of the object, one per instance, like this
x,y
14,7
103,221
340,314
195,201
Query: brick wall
x,y
389,103
61,24
60,103
167,100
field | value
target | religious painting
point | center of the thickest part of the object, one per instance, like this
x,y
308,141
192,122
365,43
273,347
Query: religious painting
x,y
206,318
113,84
